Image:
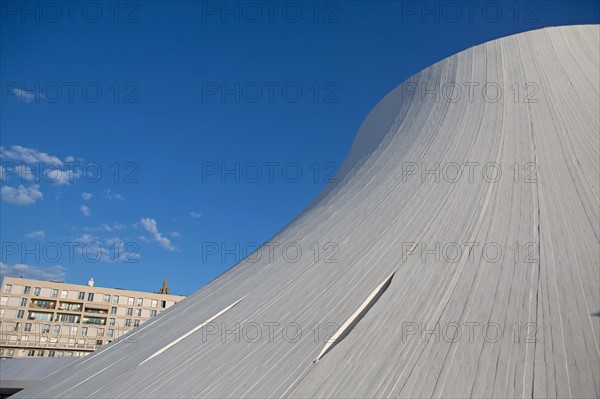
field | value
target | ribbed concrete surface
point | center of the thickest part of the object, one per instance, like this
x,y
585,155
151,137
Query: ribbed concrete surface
x,y
20,373
550,291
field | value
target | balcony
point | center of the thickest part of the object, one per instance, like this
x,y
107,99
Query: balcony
x,y
96,310
40,316
70,307
68,318
94,320
48,305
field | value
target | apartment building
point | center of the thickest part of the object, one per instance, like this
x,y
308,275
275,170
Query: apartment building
x,y
55,319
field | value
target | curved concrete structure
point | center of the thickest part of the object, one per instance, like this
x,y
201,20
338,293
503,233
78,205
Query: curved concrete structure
x,y
16,374
480,284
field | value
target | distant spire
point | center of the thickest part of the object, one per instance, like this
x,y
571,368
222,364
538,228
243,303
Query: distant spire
x,y
165,288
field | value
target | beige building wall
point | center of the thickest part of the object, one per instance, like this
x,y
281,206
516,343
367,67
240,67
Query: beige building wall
x,y
53,319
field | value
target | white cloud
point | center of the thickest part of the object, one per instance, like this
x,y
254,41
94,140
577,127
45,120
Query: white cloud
x,y
27,96
86,196
195,215
85,210
118,226
28,155
174,234
53,169
84,239
107,228
56,272
21,195
61,177
36,234
69,159
24,172
121,251
111,195
151,227
109,250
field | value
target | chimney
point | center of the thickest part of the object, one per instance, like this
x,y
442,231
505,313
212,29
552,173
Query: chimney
x,y
91,282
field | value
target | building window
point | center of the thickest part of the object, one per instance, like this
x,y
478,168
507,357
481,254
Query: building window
x,y
57,329
26,290
41,304
28,327
110,333
1,313
69,318
152,313
163,304
99,342
94,320
111,321
71,307
7,352
91,297
84,331
140,301
113,310
39,316
25,338
64,294
54,293
115,299
136,323
154,303
4,300
46,329
129,311
36,291
81,296
100,332
106,298
128,323
7,289
20,314
90,309
51,353
74,331
31,352
130,301
23,302
138,312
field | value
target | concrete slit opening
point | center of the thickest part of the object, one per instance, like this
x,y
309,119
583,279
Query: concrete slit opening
x,y
356,317
193,330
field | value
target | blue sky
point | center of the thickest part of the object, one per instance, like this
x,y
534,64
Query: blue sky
x,y
162,97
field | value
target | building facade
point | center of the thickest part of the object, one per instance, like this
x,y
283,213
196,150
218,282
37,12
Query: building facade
x,y
54,319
